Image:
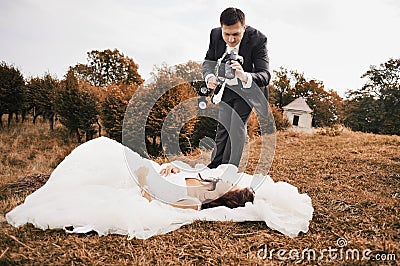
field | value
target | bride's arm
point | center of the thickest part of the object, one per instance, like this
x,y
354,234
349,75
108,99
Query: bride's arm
x,y
141,174
187,204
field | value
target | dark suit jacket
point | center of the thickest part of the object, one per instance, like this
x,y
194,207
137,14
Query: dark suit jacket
x,y
253,49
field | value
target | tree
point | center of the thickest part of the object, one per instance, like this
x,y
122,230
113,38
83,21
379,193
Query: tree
x,y
280,90
375,107
12,87
363,114
114,107
177,89
154,102
287,86
112,78
189,72
41,94
88,114
78,109
108,67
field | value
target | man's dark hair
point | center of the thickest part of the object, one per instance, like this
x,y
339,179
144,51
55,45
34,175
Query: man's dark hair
x,y
231,16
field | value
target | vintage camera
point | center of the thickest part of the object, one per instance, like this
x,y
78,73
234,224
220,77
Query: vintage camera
x,y
225,69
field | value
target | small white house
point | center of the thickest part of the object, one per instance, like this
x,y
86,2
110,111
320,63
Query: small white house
x,y
299,115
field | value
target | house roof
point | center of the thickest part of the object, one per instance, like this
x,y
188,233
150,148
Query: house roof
x,y
299,105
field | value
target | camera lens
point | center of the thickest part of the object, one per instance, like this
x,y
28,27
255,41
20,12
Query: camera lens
x,y
203,90
202,102
202,105
229,71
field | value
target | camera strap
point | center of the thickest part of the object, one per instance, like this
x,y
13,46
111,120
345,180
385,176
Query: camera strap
x,y
216,98
219,61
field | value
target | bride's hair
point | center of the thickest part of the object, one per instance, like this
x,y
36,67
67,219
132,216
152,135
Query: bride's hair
x,y
232,199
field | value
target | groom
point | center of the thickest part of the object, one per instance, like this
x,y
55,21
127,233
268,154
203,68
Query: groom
x,y
246,90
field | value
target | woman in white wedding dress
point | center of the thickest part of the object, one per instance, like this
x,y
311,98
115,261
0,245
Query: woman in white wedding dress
x,y
189,192
96,188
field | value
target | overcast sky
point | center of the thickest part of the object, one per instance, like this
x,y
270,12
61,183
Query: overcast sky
x,y
334,41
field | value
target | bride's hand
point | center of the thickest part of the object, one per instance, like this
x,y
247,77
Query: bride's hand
x,y
169,169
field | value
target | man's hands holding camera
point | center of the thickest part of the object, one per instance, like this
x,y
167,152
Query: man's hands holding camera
x,y
239,72
212,82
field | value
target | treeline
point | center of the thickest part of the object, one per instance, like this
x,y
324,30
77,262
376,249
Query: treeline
x,y
375,108
290,85
93,97
90,97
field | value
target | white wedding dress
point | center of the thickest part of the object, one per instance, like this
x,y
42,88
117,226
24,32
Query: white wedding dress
x,y
94,189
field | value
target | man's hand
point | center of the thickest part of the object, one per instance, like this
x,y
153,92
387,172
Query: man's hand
x,y
212,82
169,169
239,72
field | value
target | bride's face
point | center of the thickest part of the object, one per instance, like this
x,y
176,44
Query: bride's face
x,y
220,189
224,186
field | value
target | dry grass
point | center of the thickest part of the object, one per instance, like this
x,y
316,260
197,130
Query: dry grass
x,y
31,149
353,180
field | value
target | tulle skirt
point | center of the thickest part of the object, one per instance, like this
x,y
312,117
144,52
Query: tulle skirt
x,y
93,189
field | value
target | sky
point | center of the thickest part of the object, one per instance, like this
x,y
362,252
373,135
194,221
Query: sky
x,y
334,41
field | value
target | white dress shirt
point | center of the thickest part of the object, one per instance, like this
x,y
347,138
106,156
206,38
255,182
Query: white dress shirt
x,y
234,81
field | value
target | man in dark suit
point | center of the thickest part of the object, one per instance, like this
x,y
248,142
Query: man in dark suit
x,y
247,90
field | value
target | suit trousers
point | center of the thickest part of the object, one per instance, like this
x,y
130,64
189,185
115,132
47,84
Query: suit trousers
x,y
231,129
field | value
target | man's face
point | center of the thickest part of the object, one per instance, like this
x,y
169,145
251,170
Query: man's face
x,y
233,34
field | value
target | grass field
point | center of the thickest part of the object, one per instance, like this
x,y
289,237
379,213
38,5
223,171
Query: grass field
x,y
353,180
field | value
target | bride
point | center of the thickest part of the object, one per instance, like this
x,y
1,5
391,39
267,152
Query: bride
x,y
104,186
196,193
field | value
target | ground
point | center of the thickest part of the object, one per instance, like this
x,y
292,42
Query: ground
x,y
353,180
